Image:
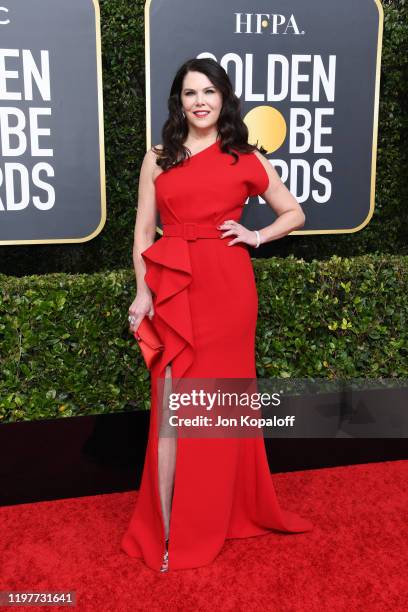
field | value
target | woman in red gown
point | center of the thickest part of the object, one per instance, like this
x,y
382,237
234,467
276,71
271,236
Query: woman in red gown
x,y
197,285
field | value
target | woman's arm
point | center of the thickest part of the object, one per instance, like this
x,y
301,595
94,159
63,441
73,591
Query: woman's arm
x,y
144,232
283,203
145,224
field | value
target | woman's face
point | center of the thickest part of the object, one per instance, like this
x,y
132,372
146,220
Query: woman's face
x,y
199,94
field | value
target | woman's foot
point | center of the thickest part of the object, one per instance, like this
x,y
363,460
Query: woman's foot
x,y
165,563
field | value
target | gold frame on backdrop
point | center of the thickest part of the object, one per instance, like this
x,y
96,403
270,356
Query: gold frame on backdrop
x,y
101,148
375,122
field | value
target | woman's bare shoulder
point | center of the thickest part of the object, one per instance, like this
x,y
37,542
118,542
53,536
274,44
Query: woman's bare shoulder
x,y
153,155
155,148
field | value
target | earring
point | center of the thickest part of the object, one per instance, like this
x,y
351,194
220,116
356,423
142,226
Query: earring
x,y
184,114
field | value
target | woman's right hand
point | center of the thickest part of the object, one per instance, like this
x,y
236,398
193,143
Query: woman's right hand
x,y
142,305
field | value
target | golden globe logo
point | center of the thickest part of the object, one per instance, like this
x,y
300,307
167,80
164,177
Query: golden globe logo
x,y
265,23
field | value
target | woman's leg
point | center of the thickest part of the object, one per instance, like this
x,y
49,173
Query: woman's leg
x,y
167,456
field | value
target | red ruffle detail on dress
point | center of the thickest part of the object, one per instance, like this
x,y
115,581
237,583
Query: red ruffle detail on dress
x,y
168,275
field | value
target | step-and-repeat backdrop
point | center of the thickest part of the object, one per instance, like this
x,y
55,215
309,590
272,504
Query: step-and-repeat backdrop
x,y
52,173
307,74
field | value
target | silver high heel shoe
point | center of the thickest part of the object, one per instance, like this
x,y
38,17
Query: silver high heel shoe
x,y
165,563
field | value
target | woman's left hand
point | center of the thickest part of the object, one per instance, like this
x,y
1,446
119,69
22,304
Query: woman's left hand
x,y
243,234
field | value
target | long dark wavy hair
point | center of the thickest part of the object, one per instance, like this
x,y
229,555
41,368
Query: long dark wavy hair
x,y
232,131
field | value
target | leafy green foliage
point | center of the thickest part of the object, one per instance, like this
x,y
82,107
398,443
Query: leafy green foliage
x,y
66,349
339,318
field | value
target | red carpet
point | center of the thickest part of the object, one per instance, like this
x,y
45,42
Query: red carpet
x,y
355,559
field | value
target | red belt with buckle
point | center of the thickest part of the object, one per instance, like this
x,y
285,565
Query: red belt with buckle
x,y
191,230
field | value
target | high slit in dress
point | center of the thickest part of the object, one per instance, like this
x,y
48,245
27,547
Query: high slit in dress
x,y
205,310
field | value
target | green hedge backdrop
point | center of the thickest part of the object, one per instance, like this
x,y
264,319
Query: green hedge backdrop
x,y
66,348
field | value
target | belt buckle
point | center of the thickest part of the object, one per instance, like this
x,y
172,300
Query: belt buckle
x,y
190,231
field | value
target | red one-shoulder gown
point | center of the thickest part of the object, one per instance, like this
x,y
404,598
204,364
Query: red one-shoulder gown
x,y
206,305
